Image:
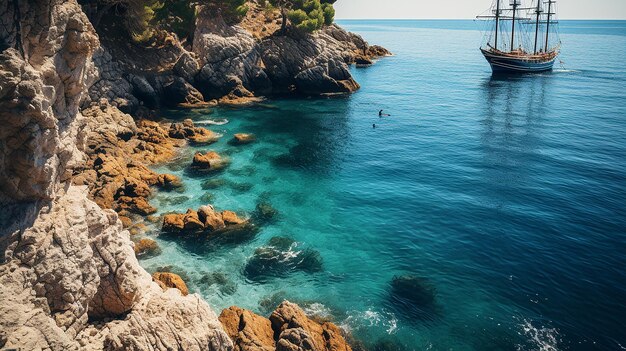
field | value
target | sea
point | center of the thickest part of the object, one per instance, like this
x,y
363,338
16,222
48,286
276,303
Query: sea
x,y
484,213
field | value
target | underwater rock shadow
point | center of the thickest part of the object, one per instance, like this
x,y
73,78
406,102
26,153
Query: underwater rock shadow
x,y
216,280
413,299
280,258
202,243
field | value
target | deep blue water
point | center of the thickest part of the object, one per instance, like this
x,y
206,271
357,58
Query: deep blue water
x,y
507,195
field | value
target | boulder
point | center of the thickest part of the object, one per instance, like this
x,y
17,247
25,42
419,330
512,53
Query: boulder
x,y
171,280
362,60
192,221
249,332
168,181
212,220
173,223
231,218
242,139
376,51
147,247
297,332
208,161
288,329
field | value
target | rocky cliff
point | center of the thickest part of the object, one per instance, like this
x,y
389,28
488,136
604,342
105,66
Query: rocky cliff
x,y
69,278
227,63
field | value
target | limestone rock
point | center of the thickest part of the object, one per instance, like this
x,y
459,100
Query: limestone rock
x,y
69,278
171,280
248,331
288,329
173,223
192,221
298,332
230,217
212,220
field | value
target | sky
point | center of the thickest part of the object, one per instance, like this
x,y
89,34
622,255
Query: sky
x,y
453,9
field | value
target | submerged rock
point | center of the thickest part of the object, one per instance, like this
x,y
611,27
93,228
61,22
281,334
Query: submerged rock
x,y
243,139
225,285
416,290
413,298
147,248
211,184
264,212
170,280
210,161
173,200
279,258
241,188
207,197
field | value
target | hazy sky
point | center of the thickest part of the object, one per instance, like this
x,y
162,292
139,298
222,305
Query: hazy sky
x,y
570,9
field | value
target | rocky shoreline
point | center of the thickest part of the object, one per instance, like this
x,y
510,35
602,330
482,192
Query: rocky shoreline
x,y
79,134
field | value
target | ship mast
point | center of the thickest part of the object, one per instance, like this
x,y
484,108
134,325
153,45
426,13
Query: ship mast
x,y
548,22
497,21
513,23
537,25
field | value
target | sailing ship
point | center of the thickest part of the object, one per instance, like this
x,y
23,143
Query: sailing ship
x,y
521,38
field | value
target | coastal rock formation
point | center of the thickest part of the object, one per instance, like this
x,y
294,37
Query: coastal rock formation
x,y
205,221
287,329
76,264
73,172
197,135
231,64
69,278
249,332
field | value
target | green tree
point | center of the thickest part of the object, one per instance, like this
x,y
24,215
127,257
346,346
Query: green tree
x,y
305,15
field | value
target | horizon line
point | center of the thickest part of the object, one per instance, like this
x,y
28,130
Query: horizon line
x,y
465,19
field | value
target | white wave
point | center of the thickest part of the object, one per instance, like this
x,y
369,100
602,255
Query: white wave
x,y
370,318
539,338
217,122
317,309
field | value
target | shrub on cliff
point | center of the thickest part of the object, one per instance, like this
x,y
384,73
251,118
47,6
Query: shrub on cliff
x,y
306,15
142,18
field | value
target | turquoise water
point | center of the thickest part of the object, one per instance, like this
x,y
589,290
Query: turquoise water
x,y
507,195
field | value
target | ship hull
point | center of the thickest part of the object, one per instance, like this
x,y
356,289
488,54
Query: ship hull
x,y
507,64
